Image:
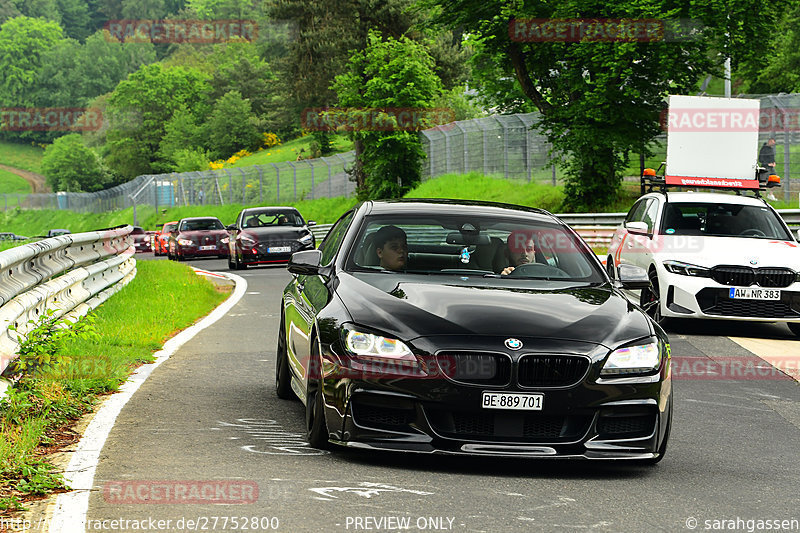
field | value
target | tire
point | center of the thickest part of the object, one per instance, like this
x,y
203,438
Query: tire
x,y
316,426
283,376
795,327
231,265
241,265
650,299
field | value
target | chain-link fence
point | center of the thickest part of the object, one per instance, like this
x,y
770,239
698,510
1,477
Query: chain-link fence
x,y
504,145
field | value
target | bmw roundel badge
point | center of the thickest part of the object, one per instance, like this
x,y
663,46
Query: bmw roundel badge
x,y
513,344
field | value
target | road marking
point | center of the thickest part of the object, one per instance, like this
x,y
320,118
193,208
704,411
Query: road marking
x,y
71,507
725,405
366,490
271,438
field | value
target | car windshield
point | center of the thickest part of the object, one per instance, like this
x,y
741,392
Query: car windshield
x,y
722,220
201,225
259,219
468,245
169,227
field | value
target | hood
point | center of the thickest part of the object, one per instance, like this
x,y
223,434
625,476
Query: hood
x,y
277,232
411,306
713,251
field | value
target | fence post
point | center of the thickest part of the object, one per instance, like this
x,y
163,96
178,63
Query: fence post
x,y
528,152
330,185
294,174
447,153
505,150
466,149
244,185
277,183
260,184
485,151
312,177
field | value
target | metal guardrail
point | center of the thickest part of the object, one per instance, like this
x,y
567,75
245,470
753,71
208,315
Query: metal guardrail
x,y
70,275
595,228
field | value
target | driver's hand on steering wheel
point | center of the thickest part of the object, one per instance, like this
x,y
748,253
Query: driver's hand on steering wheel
x,y
507,270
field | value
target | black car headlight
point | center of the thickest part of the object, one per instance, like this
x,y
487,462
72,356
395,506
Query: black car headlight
x,y
378,348
687,269
636,359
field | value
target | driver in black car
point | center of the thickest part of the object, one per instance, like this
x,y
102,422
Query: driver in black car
x,y
520,249
391,246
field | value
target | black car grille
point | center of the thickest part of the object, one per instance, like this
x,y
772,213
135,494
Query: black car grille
x,y
551,370
507,426
477,368
207,241
629,426
366,415
742,276
717,302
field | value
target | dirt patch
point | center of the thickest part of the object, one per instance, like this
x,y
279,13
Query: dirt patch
x,y
37,181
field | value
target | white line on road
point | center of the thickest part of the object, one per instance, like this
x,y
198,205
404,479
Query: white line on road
x,y
69,515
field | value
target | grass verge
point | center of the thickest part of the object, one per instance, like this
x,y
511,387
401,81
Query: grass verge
x,y
289,150
164,298
10,183
22,156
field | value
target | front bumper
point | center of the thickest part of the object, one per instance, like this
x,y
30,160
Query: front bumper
x,y
259,254
195,251
695,297
619,418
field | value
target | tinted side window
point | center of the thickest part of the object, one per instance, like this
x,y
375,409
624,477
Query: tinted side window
x,y
650,213
636,211
330,245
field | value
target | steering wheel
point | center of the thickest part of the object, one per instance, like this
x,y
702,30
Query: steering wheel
x,y
754,232
538,270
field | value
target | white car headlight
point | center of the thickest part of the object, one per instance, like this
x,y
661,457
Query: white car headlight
x,y
185,242
686,269
246,241
638,359
305,240
379,348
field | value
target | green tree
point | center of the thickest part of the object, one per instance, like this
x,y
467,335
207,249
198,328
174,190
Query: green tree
x,y
778,69
231,126
600,101
75,18
395,73
152,94
23,42
181,132
70,166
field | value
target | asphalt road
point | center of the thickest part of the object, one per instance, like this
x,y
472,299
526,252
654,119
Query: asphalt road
x,y
210,413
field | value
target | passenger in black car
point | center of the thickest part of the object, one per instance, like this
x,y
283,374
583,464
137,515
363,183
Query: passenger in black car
x,y
391,246
520,249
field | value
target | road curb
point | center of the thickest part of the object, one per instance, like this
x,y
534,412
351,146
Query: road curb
x,y
70,508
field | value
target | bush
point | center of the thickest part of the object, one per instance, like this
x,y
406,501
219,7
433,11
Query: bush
x,y
69,165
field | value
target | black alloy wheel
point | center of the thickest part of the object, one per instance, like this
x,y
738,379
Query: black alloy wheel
x,y
316,427
283,377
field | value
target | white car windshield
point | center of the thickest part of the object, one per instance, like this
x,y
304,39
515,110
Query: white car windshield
x,y
722,220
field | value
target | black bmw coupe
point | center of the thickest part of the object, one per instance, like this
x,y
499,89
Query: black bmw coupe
x,y
458,327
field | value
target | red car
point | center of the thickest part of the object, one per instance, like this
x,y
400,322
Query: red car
x,y
139,242
198,237
161,241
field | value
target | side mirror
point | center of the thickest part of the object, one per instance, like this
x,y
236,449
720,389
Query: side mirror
x,y
305,263
637,228
632,277
798,235
232,227
310,223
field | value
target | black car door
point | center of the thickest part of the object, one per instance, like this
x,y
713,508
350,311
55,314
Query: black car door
x,y
306,296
